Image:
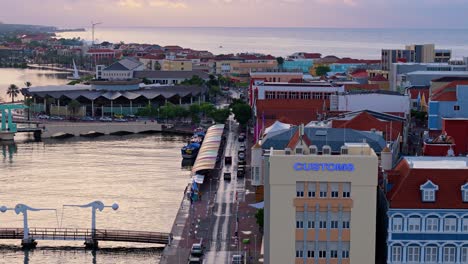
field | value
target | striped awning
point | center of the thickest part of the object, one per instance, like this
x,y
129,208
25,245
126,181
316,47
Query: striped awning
x,y
206,158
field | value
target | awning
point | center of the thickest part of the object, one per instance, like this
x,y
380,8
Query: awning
x,y
206,158
259,205
198,178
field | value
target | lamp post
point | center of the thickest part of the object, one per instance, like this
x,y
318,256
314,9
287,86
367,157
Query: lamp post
x,y
27,241
96,205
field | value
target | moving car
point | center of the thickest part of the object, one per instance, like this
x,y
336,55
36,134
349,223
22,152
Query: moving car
x,y
227,160
227,176
194,260
196,250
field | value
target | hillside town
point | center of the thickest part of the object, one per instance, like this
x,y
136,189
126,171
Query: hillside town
x,y
385,140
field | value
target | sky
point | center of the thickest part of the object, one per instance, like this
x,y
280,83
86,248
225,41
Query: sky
x,y
239,13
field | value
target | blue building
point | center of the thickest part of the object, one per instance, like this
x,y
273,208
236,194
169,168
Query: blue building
x,y
345,67
449,101
304,65
428,210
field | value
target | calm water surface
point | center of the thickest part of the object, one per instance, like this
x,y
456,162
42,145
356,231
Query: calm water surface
x,y
36,77
356,43
141,173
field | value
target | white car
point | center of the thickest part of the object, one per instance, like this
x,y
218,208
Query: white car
x,y
105,119
56,118
43,117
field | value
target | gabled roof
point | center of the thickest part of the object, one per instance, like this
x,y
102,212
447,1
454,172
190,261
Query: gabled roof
x,y
296,138
447,92
448,173
126,64
415,91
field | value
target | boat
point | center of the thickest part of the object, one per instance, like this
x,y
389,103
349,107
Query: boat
x,y
197,137
76,75
190,151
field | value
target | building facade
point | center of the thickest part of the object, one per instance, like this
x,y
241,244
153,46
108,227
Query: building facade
x,y
428,211
320,208
449,101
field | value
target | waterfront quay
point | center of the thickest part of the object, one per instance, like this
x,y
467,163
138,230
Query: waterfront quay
x,y
222,219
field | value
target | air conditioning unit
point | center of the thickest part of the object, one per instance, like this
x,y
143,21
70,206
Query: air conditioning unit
x,y
287,151
326,150
313,150
344,150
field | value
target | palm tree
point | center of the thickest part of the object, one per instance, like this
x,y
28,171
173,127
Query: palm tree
x,y
28,84
13,91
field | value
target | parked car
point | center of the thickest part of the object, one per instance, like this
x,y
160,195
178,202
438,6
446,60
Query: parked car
x,y
242,148
87,118
240,171
56,118
120,120
237,259
43,117
241,138
241,162
196,250
105,119
227,176
241,156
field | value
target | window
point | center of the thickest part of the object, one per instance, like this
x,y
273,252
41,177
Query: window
x,y
311,189
465,224
428,195
464,191
464,254
300,189
346,218
334,190
450,224
346,190
431,254
310,254
323,224
413,254
323,190
428,190
414,224
396,253
299,253
432,224
449,254
345,224
345,254
310,224
456,108
333,253
322,254
334,224
293,95
465,196
299,224
305,96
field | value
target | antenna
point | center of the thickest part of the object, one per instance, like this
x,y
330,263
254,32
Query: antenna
x,y
93,25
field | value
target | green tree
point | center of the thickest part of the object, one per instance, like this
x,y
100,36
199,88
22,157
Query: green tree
x,y
259,215
28,84
220,115
280,61
13,91
195,80
146,81
206,108
322,70
28,102
74,106
242,111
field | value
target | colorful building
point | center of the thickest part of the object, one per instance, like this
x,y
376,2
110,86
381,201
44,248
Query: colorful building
x,y
428,210
320,208
176,65
303,65
449,101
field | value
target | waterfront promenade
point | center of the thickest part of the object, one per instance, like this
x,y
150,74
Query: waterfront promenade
x,y
224,208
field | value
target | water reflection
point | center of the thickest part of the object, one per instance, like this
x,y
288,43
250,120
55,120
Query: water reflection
x,y
8,150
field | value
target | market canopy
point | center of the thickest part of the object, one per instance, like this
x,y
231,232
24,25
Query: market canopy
x,y
207,156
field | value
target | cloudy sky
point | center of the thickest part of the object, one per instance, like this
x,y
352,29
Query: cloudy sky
x,y
240,13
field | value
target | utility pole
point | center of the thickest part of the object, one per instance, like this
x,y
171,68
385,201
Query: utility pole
x,y
93,25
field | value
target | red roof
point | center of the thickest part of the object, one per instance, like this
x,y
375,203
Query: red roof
x,y
312,55
406,193
415,91
100,51
368,87
447,92
154,57
359,74
295,139
352,61
173,48
291,111
378,78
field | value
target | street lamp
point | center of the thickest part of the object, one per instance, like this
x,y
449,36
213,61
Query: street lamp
x,y
96,205
23,209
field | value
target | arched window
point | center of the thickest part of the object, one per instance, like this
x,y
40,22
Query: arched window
x,y
397,224
414,224
432,224
464,254
414,254
450,224
450,254
397,252
431,254
464,191
428,191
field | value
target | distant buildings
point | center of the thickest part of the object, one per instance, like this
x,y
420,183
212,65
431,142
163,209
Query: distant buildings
x,y
425,53
121,70
320,208
448,101
278,76
169,77
176,65
428,210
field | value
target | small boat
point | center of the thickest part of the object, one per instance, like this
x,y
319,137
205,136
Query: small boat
x,y
197,137
76,75
190,151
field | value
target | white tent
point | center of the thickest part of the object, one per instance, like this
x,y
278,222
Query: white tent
x,y
277,126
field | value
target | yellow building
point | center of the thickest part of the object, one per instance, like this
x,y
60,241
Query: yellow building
x,y
241,69
176,65
320,208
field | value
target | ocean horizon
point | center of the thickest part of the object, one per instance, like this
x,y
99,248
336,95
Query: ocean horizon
x,y
365,43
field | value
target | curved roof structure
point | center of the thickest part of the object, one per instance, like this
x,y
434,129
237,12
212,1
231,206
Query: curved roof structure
x,y
277,126
208,153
